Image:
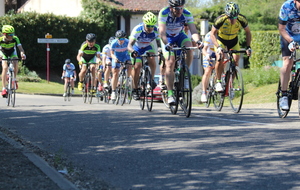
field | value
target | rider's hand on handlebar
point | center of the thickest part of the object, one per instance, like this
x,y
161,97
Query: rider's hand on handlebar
x,y
23,56
159,50
200,44
168,47
248,50
134,54
220,50
292,46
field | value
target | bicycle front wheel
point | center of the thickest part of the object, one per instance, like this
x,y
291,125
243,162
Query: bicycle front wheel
x,y
69,92
174,107
149,90
235,89
164,95
185,98
142,91
210,89
123,88
218,97
282,113
129,90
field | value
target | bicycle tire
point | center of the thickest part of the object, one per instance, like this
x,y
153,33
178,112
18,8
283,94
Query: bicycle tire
x,y
164,96
174,107
235,89
149,90
142,87
210,89
9,89
129,90
123,88
69,92
218,97
185,99
282,113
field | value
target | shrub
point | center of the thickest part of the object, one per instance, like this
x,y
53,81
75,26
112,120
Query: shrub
x,y
261,76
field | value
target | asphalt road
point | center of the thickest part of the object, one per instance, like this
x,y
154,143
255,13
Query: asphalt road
x,y
133,149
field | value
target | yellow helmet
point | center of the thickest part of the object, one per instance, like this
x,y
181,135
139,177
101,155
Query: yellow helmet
x,y
8,29
149,19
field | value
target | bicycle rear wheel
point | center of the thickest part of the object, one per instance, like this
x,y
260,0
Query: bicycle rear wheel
x,y
282,113
149,90
235,89
69,92
174,107
218,97
210,89
185,98
142,91
129,90
123,88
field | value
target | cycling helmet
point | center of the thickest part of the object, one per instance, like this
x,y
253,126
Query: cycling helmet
x,y
8,29
120,34
232,10
67,61
176,3
91,37
111,39
149,19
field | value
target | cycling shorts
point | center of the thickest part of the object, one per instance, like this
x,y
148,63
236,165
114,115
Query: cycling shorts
x,y
179,40
92,61
141,51
115,65
228,44
211,62
69,74
13,55
284,45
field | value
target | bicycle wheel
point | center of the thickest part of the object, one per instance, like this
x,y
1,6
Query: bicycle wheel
x,y
142,91
129,90
164,95
84,90
174,107
185,99
299,101
9,90
282,113
89,92
149,90
69,92
210,89
13,97
123,89
218,97
235,89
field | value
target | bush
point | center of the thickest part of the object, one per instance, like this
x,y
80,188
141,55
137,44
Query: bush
x,y
261,76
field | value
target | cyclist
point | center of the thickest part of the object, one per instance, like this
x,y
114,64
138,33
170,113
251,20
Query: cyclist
x,y
288,26
88,53
69,74
208,64
171,20
140,42
224,34
106,61
119,53
8,42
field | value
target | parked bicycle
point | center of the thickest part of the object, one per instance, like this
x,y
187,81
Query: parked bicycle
x,y
69,89
293,88
87,92
232,82
146,83
11,84
182,82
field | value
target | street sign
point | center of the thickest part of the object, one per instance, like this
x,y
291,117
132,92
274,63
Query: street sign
x,y
53,40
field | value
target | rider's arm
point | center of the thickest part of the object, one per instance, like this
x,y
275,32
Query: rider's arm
x,y
194,32
283,33
112,52
162,32
248,36
130,45
158,43
213,36
79,55
22,52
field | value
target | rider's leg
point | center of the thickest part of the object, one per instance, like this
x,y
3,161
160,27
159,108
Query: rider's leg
x,y
4,71
189,54
82,72
136,73
170,73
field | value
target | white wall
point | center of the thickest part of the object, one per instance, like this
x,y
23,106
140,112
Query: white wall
x,y
2,7
70,8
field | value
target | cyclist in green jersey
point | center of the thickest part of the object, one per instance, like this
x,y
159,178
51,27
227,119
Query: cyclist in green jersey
x,y
8,42
89,53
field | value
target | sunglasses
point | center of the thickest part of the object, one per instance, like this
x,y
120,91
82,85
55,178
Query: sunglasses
x,y
178,8
121,38
232,18
10,34
150,26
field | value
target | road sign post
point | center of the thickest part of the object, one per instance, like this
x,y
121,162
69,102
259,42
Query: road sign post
x,y
49,40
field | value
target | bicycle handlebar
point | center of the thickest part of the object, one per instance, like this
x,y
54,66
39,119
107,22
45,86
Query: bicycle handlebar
x,y
150,55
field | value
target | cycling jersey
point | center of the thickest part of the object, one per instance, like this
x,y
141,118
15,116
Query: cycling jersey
x,y
208,42
89,53
106,52
120,51
141,37
69,70
226,30
174,25
289,16
8,48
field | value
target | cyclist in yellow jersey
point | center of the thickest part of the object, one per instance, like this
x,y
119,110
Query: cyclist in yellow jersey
x,y
8,44
224,35
89,53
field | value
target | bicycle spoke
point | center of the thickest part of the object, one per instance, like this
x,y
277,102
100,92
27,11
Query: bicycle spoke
x,y
236,89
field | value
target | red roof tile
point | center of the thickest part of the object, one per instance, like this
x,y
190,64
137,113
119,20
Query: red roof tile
x,y
141,5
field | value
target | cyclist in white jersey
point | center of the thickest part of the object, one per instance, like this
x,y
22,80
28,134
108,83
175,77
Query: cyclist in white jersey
x,y
209,60
106,61
140,42
171,21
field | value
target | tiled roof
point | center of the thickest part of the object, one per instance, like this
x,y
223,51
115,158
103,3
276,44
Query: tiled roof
x,y
141,5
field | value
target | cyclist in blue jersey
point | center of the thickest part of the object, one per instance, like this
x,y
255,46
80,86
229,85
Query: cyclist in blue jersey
x,y
171,22
289,29
119,53
140,42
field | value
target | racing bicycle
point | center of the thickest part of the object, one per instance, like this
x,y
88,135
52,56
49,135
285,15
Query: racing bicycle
x,y
87,93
